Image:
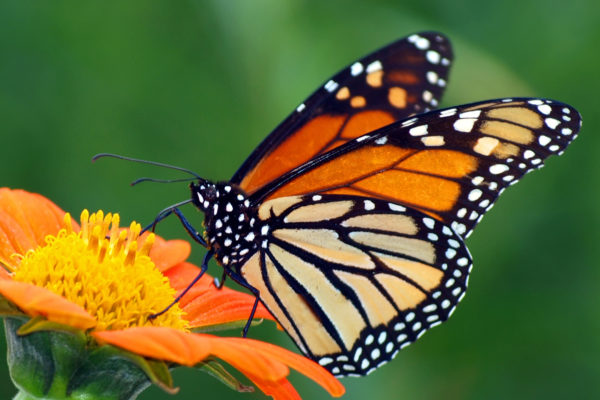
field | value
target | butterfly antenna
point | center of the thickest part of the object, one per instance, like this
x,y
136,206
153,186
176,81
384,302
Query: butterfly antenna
x,y
155,180
137,160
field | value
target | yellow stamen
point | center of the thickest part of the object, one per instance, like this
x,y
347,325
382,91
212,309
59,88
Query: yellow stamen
x,y
104,270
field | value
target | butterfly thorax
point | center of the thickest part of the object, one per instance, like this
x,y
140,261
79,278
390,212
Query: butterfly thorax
x,y
229,221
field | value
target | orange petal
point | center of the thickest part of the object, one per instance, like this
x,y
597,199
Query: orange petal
x,y
4,274
218,306
247,358
182,274
301,364
206,305
35,301
168,253
159,342
25,221
280,390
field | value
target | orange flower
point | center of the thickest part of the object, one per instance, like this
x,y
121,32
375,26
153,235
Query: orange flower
x,y
106,283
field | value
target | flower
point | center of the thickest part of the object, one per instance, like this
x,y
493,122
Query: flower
x,y
94,290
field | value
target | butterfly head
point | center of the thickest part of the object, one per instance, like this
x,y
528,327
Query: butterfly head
x,y
229,220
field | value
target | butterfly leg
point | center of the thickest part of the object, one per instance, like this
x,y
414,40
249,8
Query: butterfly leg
x,y
219,283
161,215
241,281
186,224
203,269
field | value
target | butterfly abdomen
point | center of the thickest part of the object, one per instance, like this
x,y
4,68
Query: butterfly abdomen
x,y
229,221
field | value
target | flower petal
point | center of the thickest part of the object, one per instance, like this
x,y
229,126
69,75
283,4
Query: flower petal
x,y
168,253
219,306
182,274
263,363
35,301
4,274
206,305
246,357
25,221
301,364
280,390
159,342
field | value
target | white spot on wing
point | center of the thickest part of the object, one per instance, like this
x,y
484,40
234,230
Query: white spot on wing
x,y
448,113
382,140
420,42
470,114
374,66
433,56
418,130
356,69
432,77
535,102
325,360
433,141
477,180
474,194
427,96
545,109
331,85
527,154
498,168
552,123
409,122
544,140
429,222
396,207
464,125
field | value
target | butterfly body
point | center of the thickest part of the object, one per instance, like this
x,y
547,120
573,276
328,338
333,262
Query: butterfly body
x,y
230,222
348,221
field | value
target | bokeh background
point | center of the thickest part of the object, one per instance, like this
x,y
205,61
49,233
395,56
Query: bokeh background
x,y
200,83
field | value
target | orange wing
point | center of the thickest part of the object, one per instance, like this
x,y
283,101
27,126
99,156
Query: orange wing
x,y
451,164
399,80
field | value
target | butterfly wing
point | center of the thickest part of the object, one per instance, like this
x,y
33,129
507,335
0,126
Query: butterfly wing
x,y
353,279
401,79
451,164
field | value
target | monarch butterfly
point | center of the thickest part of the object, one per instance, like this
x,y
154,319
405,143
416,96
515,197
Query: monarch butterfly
x,y
348,221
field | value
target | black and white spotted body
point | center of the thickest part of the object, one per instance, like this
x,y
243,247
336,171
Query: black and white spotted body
x,y
229,221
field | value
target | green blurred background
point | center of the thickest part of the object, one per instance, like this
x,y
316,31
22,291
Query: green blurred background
x,y
200,83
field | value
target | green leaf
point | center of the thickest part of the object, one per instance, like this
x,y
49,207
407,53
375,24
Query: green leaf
x,y
109,373
157,371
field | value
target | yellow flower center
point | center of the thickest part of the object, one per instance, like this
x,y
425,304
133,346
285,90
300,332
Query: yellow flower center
x,y
102,270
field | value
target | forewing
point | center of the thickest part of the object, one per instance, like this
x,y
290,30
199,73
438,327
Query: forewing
x,y
451,164
401,79
352,279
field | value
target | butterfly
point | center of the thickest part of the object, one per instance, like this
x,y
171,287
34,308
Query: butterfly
x,y
348,221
